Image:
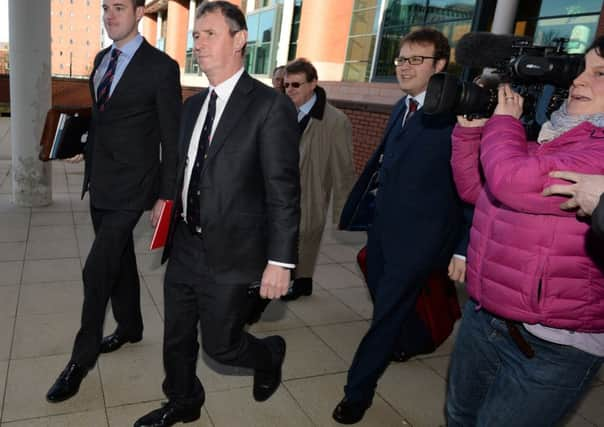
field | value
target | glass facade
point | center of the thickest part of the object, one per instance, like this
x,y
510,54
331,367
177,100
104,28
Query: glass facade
x,y
263,33
547,20
452,18
293,38
364,27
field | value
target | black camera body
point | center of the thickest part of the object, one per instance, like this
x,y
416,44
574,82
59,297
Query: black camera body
x,y
541,74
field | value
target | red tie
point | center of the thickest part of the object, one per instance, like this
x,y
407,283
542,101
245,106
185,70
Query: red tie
x,y
412,109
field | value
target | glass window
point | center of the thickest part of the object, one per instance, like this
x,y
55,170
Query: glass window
x,y
261,65
293,38
452,17
551,8
252,27
265,28
569,7
356,71
362,4
547,20
360,48
579,31
364,22
363,30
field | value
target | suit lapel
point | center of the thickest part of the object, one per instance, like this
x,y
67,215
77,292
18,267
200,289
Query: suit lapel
x,y
397,113
132,72
410,134
231,116
97,62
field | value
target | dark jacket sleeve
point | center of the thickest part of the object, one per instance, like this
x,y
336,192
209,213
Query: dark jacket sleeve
x,y
279,157
597,219
464,235
169,103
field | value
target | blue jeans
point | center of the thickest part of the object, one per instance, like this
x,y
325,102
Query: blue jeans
x,y
492,383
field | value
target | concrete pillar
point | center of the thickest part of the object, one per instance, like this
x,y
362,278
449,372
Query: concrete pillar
x,y
176,35
287,18
505,15
160,24
192,10
323,36
150,28
30,97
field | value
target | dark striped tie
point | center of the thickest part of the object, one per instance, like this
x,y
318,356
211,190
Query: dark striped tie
x,y
102,92
193,208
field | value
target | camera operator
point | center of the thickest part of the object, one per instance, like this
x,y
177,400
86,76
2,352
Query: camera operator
x,y
532,334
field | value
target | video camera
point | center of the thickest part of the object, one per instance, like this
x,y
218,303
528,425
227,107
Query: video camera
x,y
541,74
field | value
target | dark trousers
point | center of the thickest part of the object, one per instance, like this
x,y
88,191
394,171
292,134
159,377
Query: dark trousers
x,y
394,292
110,273
192,297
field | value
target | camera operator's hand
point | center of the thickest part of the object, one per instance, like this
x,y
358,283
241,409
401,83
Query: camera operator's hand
x,y
467,123
508,102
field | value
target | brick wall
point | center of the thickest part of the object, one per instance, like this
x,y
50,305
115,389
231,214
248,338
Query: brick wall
x,y
367,129
368,119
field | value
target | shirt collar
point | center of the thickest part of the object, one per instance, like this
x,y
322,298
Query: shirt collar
x,y
419,99
224,89
307,106
130,48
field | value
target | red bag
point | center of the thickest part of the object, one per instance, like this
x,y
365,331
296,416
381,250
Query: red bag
x,y
436,305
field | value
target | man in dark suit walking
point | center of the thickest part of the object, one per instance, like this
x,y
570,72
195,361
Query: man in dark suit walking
x,y
135,116
235,225
416,224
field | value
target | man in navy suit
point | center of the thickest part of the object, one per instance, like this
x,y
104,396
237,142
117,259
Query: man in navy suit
x,y
135,115
416,224
234,232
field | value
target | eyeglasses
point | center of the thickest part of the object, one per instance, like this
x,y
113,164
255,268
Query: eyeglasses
x,y
295,85
413,60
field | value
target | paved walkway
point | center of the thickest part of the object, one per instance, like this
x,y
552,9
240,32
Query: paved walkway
x,y
41,255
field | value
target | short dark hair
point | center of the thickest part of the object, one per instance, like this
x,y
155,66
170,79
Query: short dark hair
x,y
302,65
138,3
424,36
233,16
598,46
278,68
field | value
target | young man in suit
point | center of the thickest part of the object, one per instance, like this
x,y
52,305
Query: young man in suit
x,y
135,116
417,218
235,225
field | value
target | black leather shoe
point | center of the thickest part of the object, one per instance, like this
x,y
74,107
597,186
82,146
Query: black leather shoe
x,y
300,287
348,412
68,383
115,341
267,382
168,415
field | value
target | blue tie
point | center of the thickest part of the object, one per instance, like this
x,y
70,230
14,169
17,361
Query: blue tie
x,y
102,92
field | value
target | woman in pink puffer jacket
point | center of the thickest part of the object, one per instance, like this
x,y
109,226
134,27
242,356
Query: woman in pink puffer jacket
x,y
532,334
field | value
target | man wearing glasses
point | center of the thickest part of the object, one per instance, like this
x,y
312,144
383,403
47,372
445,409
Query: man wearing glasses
x,y
325,166
416,222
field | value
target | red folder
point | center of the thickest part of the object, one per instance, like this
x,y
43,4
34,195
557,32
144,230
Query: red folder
x,y
436,305
163,224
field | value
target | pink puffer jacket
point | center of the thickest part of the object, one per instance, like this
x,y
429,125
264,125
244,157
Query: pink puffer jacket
x,y
528,260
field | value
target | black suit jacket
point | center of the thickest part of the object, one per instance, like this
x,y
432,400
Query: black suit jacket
x,y
250,196
140,122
